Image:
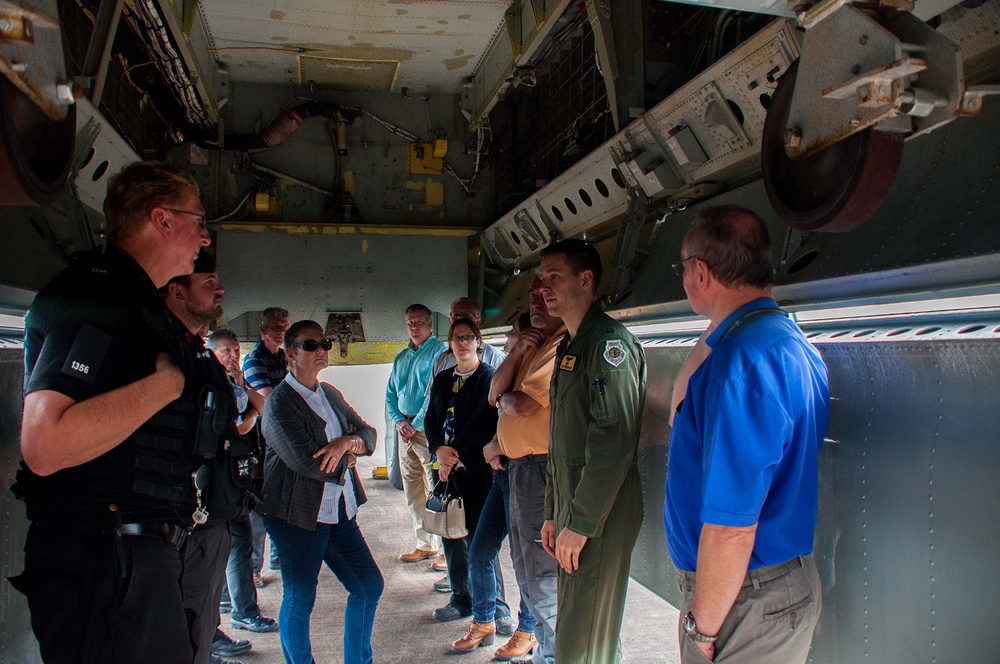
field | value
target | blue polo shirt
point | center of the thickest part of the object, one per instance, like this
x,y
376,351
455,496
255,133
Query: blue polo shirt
x,y
744,448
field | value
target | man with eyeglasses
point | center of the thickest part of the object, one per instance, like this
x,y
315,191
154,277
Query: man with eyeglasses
x,y
751,405
263,368
406,405
117,469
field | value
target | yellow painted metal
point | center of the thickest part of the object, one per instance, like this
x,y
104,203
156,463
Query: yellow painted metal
x,y
367,352
266,204
349,186
380,473
420,159
440,148
435,193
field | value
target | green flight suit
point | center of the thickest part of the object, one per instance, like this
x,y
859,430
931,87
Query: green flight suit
x,y
597,393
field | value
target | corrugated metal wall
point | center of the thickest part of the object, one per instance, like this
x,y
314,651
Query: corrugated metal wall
x,y
908,540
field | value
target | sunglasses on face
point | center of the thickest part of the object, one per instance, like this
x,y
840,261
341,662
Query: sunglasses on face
x,y
310,345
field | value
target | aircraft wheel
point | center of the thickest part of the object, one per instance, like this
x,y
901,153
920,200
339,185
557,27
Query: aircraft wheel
x,y
835,190
35,151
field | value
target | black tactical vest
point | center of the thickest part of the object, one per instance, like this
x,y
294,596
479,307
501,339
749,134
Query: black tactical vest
x,y
150,475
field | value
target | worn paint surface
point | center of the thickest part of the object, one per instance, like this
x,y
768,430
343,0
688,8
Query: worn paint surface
x,y
257,42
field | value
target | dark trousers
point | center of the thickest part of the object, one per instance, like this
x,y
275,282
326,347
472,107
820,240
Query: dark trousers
x,y
205,555
84,612
474,488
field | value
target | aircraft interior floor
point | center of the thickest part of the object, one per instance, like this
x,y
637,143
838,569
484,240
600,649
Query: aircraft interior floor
x,y
404,630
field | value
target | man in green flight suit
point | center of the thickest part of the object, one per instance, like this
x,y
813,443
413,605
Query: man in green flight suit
x,y
593,498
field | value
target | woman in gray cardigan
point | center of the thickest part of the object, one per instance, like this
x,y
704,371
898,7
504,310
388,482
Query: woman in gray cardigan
x,y
312,492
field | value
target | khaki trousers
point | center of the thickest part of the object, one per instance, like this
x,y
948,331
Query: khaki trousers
x,y
418,481
772,619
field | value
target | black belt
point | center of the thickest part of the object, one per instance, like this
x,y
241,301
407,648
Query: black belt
x,y
764,574
528,458
170,533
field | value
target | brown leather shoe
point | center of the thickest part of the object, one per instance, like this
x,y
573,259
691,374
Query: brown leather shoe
x,y
417,555
480,634
519,645
440,565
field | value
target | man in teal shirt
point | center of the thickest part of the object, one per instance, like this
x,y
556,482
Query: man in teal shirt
x,y
404,402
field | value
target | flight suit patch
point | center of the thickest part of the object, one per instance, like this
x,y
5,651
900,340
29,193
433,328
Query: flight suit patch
x,y
568,363
614,352
85,356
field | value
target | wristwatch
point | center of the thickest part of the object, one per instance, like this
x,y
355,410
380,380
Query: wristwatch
x,y
691,629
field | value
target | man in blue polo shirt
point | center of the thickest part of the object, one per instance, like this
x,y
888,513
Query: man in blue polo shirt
x,y
742,466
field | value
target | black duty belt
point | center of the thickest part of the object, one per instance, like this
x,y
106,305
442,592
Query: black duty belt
x,y
170,533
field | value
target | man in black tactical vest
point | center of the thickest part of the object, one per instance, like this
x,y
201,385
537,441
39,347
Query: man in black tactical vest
x,y
125,435
195,300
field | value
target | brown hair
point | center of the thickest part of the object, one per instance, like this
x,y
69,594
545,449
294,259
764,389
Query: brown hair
x,y
471,324
580,255
136,190
298,328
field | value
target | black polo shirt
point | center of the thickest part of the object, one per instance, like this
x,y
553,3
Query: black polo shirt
x,y
86,333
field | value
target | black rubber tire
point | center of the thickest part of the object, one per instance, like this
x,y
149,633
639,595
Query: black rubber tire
x,y
836,190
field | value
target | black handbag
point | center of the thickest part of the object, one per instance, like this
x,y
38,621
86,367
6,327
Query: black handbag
x,y
444,512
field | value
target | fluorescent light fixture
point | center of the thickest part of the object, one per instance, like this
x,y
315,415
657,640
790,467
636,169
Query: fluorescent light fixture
x,y
696,326
14,322
895,310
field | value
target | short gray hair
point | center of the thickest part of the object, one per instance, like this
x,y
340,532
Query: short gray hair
x,y
220,335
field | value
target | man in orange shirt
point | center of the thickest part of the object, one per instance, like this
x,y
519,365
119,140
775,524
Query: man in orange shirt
x,y
520,390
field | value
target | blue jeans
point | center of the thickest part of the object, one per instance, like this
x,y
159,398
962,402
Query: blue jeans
x,y
258,535
344,550
239,589
488,596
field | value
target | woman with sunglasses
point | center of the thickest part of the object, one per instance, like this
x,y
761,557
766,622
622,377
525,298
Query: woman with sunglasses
x,y
458,424
312,492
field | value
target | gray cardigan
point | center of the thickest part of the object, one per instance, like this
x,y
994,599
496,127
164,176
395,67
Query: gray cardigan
x,y
293,483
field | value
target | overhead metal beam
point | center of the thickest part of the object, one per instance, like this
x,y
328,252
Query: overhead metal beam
x,y
511,48
95,64
599,12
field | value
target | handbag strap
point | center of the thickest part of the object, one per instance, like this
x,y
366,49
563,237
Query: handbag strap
x,y
450,489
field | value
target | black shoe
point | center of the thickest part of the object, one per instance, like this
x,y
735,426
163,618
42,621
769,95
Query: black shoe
x,y
224,645
215,659
256,624
450,612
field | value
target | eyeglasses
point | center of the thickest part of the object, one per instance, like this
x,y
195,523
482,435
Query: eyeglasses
x,y
311,345
199,216
463,337
678,267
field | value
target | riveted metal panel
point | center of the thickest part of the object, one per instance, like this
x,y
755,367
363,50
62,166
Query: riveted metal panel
x,y
17,643
311,272
907,539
